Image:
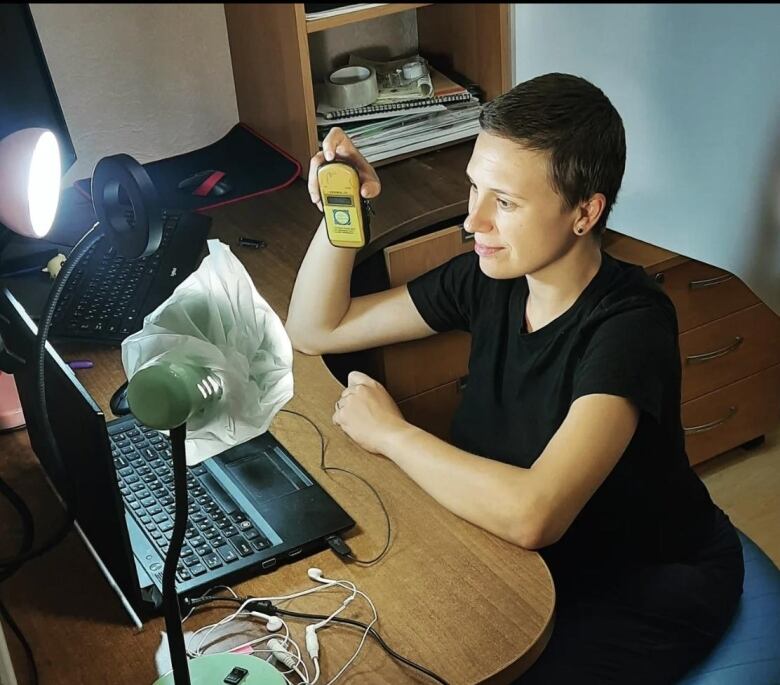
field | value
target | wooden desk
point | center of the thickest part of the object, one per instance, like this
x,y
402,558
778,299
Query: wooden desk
x,y
461,602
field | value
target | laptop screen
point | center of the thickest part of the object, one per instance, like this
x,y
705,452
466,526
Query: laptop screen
x,y
85,465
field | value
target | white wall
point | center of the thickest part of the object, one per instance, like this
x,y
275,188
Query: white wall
x,y
698,89
149,80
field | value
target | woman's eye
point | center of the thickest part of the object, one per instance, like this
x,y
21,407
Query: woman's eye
x,y
505,204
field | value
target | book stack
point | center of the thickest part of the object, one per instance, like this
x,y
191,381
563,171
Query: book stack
x,y
401,121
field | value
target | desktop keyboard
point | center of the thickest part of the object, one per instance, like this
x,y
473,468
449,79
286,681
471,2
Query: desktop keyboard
x,y
107,296
218,533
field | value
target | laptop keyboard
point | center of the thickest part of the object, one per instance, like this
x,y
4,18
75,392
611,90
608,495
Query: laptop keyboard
x,y
106,292
218,533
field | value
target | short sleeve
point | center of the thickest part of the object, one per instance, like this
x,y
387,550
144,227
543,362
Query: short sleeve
x,y
445,295
632,353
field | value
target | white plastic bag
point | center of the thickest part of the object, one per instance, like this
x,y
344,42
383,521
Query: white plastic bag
x,y
218,320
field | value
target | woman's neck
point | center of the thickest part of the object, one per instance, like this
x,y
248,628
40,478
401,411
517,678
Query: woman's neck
x,y
555,288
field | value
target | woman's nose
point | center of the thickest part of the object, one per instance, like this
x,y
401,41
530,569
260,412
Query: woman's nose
x,y
478,220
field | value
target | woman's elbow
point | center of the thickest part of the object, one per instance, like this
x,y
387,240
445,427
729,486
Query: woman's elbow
x,y
535,530
301,342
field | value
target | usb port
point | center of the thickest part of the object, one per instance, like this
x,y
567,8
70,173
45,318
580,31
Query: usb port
x,y
268,563
295,552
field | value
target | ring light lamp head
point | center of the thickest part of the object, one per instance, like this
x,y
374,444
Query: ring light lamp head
x,y
127,206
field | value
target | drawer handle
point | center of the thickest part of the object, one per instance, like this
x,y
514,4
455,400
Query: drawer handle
x,y
465,236
463,381
706,356
712,424
709,282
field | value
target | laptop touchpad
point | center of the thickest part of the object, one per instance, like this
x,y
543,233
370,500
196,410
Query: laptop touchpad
x,y
263,475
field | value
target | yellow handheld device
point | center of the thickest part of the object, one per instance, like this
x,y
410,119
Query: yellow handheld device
x,y
346,215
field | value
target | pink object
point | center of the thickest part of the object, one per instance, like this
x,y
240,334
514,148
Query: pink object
x,y
11,415
244,649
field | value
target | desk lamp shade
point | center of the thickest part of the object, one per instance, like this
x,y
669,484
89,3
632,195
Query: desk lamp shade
x,y
29,195
168,394
29,181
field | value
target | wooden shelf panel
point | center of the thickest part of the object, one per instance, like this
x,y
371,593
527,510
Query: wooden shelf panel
x,y
314,25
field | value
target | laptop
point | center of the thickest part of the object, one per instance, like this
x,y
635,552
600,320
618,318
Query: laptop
x,y
251,508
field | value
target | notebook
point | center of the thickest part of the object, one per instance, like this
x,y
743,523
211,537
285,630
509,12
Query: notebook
x,y
331,114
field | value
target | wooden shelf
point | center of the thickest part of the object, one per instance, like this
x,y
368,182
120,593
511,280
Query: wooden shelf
x,y
272,61
314,25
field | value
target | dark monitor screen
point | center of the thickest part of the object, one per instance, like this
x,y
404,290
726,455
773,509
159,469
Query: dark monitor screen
x,y
27,94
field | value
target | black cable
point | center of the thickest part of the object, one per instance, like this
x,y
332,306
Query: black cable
x,y
87,241
372,633
25,517
335,544
22,640
268,608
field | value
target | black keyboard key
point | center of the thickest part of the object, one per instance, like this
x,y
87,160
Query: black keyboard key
x,y
260,543
241,545
212,561
227,553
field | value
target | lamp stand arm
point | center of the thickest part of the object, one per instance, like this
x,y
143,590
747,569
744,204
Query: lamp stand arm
x,y
178,652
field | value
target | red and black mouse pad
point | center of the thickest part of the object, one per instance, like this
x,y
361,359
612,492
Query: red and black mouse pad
x,y
240,165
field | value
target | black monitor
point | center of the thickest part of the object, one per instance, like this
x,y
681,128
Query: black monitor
x,y
27,95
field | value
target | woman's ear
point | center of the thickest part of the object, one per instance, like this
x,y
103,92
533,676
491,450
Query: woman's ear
x,y
589,213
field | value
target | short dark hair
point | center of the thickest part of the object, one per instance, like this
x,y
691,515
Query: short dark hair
x,y
576,123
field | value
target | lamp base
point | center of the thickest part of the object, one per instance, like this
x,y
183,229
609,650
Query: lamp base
x,y
214,668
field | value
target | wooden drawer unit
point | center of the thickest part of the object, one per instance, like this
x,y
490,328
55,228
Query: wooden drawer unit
x,y
412,368
419,365
732,415
728,342
702,293
730,348
433,410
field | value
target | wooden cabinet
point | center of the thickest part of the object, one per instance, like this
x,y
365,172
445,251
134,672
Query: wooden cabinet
x,y
426,376
272,59
730,356
729,346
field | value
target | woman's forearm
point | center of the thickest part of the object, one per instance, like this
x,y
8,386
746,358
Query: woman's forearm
x,y
490,494
321,295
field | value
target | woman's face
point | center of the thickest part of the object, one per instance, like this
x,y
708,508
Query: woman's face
x,y
519,223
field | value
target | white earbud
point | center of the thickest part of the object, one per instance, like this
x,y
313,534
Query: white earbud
x,y
280,653
315,574
272,623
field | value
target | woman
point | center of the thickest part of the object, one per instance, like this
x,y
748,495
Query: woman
x,y
568,439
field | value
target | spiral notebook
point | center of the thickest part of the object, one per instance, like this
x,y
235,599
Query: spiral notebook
x,y
395,106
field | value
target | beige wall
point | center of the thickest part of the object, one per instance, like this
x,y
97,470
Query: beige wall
x,y
148,80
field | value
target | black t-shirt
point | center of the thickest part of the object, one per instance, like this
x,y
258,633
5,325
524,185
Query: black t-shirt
x,y
618,338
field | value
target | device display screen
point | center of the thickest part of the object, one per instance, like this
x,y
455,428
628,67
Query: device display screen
x,y
338,200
